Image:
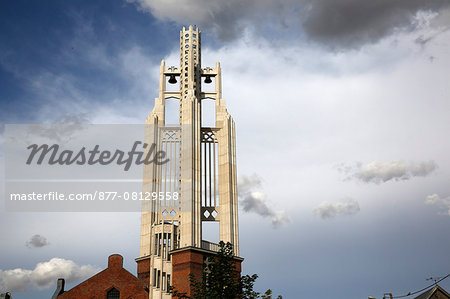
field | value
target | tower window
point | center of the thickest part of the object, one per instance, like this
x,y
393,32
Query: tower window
x,y
113,294
163,282
158,279
159,244
187,46
187,35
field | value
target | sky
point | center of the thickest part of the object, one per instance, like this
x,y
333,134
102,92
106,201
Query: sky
x,y
342,116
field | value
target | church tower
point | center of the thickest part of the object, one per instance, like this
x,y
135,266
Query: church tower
x,y
198,182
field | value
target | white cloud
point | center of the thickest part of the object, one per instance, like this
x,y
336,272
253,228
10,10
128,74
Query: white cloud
x,y
44,275
442,203
379,172
37,241
347,206
256,202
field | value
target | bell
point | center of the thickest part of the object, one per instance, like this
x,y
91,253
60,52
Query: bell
x,y
172,79
208,79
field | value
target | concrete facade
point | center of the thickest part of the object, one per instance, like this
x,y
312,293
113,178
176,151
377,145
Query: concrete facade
x,y
201,172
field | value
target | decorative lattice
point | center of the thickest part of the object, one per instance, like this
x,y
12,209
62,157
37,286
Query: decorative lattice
x,y
171,135
208,135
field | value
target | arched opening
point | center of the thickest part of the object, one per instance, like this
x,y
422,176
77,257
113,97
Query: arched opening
x,y
209,87
208,112
172,111
173,86
113,294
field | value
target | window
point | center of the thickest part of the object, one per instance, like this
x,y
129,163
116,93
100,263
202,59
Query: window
x,y
169,245
164,246
159,279
113,294
168,282
163,284
159,244
154,277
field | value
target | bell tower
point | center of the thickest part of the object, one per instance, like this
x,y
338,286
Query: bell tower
x,y
198,182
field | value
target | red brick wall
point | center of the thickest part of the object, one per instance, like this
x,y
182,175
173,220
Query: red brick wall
x,y
143,270
187,262
114,276
184,263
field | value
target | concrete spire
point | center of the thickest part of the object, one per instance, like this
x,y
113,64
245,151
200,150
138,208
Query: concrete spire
x,y
198,183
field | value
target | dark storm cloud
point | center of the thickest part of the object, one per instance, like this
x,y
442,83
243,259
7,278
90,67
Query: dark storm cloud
x,y
226,18
352,23
335,23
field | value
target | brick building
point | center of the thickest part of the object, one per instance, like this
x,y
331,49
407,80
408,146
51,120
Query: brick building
x,y
112,283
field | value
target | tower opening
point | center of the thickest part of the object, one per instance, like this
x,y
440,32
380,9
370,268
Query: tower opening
x,y
211,231
172,86
208,113
208,87
172,111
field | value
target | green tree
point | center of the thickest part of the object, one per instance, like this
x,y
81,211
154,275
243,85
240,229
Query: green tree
x,y
268,295
220,280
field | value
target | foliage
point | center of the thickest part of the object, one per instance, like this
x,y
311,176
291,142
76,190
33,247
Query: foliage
x,y
268,295
220,280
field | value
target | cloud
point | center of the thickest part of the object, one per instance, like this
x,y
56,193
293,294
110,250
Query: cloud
x,y
442,203
37,241
44,275
347,206
379,172
61,129
255,201
226,18
339,24
352,23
